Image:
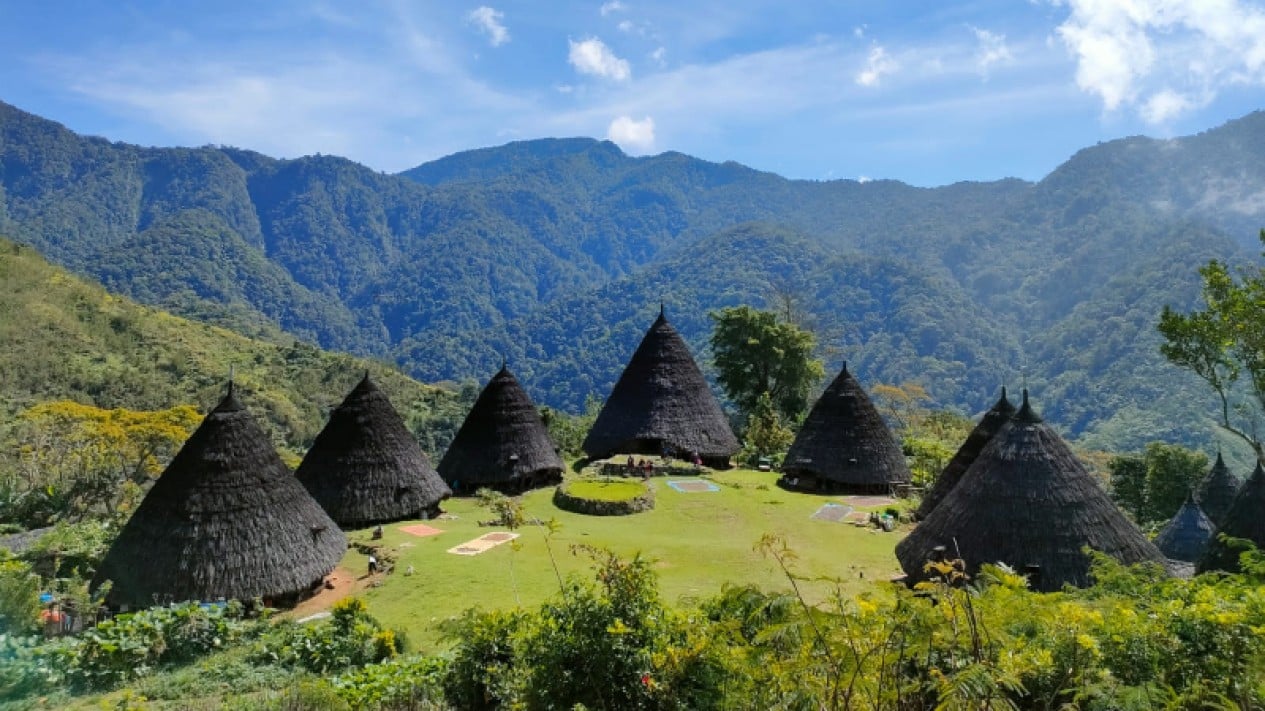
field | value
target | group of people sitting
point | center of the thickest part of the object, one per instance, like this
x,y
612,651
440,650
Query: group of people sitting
x,y
646,467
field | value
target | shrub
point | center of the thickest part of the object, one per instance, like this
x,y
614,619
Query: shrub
x,y
396,683
129,646
350,638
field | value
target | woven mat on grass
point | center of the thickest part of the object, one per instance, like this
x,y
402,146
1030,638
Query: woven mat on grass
x,y
693,486
483,543
832,512
421,530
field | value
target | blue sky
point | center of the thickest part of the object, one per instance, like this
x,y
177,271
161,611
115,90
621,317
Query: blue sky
x,y
925,92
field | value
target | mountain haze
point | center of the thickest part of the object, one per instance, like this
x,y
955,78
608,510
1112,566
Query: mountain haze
x,y
556,253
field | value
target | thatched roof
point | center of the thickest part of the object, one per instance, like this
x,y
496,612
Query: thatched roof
x,y
1245,519
365,467
502,441
1186,536
998,415
226,519
845,440
662,397
1027,501
1217,491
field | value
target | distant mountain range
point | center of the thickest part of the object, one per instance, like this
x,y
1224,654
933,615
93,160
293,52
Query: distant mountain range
x,y
556,254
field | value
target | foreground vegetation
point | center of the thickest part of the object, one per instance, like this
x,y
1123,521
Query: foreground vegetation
x,y
1137,640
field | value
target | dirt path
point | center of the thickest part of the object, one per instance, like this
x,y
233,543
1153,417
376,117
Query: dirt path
x,y
344,582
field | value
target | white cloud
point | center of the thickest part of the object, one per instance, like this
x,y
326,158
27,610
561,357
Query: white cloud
x,y
1164,105
626,26
660,56
592,56
632,135
1162,58
612,6
489,22
877,65
992,49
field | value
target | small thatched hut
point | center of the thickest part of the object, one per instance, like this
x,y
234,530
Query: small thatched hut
x,y
503,444
998,415
1186,536
1217,491
662,402
366,468
1245,519
845,446
1027,502
227,519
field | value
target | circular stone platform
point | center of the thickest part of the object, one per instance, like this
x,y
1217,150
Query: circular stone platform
x,y
604,497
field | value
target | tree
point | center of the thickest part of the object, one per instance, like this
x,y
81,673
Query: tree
x,y
756,353
79,459
1128,484
766,435
1224,344
1153,485
1171,472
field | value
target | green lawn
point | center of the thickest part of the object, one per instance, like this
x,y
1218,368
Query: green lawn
x,y
606,489
698,541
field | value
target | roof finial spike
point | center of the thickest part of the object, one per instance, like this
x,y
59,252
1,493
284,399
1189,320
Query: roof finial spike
x,y
230,379
845,365
503,361
661,310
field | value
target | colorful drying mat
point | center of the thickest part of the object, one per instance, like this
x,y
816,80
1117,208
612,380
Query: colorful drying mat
x,y
421,530
832,512
483,543
693,486
858,501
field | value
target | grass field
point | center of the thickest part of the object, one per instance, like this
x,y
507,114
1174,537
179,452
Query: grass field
x,y
606,489
698,541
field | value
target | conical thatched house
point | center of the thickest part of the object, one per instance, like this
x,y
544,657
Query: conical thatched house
x,y
227,519
998,415
662,401
844,445
503,444
366,468
1029,503
1186,536
1217,491
1245,519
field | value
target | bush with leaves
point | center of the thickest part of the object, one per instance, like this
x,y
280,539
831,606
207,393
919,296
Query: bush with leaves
x,y
19,596
133,645
613,646
350,638
404,682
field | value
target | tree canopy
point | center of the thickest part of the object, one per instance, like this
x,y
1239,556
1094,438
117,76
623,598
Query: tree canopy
x,y
1224,344
756,353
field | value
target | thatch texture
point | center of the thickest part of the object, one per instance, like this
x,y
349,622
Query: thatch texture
x,y
998,415
503,444
1217,491
662,401
227,519
844,445
1186,536
1245,519
1026,501
366,468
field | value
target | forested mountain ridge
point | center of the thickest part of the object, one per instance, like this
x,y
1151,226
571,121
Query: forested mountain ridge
x,y
554,252
67,339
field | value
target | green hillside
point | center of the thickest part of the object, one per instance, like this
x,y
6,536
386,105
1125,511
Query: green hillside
x,y
554,252
67,339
